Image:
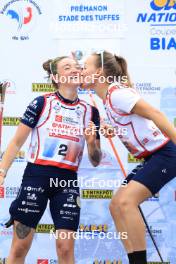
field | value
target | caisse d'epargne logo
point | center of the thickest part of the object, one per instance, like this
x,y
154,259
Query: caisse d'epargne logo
x,y
23,16
161,18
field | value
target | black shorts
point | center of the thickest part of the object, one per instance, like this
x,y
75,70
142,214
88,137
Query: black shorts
x,y
157,169
40,184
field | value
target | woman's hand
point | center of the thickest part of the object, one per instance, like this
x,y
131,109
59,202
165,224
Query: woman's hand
x,y
93,144
90,133
107,131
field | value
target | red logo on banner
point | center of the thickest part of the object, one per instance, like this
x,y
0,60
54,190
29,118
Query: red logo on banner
x,y
58,118
42,261
1,192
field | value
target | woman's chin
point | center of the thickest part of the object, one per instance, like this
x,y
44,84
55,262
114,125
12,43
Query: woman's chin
x,y
86,86
73,84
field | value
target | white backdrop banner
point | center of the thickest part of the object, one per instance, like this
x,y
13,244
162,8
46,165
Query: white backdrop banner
x,y
144,32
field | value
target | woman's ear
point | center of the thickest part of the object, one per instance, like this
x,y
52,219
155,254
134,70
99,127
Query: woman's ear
x,y
54,78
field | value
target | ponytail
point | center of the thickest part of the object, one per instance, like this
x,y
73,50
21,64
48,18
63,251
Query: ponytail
x,y
113,66
124,69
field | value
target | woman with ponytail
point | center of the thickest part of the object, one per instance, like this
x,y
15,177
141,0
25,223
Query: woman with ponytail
x,y
149,135
60,123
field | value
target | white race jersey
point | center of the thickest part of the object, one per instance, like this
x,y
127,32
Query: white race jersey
x,y
58,138
140,135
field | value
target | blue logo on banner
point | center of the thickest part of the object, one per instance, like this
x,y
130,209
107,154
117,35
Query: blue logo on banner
x,y
24,14
19,16
162,43
158,5
163,19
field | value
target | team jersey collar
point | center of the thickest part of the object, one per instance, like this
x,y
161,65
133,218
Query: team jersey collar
x,y
65,100
115,84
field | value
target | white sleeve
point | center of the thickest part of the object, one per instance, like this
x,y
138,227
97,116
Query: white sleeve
x,y
124,99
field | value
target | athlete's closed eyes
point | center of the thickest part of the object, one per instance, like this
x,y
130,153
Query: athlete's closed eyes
x,y
69,66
